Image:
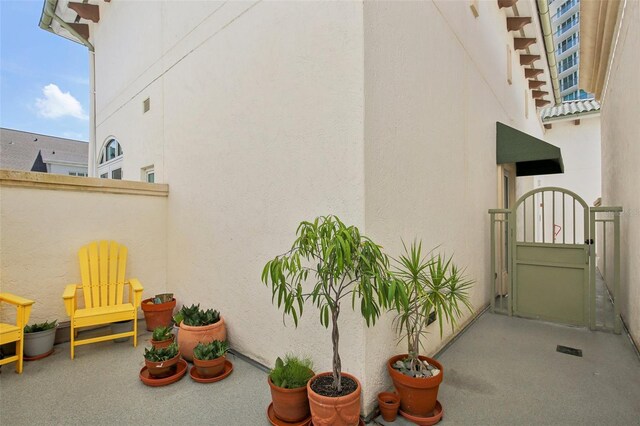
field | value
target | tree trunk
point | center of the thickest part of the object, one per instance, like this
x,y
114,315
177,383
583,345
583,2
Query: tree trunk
x,y
335,337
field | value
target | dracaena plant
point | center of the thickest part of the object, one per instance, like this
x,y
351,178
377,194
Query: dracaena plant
x,y
339,264
433,286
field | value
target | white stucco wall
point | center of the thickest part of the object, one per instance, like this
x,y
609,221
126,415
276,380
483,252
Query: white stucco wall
x,y
42,230
435,85
620,155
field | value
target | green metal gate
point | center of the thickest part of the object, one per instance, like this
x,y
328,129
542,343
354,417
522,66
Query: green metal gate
x,y
543,258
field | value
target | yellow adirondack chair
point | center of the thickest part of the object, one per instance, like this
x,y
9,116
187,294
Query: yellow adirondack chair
x,y
15,333
102,268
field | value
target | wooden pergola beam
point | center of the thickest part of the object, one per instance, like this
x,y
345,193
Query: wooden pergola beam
x,y
521,43
536,84
506,3
82,29
517,23
532,72
537,94
86,10
542,102
528,59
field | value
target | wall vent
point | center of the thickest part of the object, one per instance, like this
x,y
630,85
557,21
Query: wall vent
x,y
146,105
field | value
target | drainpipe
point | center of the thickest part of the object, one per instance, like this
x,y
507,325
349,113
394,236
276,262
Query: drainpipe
x,y
49,15
550,47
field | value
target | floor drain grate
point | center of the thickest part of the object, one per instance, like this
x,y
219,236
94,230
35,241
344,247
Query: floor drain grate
x,y
569,351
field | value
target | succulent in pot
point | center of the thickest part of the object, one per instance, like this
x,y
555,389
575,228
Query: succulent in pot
x,y
39,338
435,289
340,263
199,326
162,337
209,358
288,384
162,362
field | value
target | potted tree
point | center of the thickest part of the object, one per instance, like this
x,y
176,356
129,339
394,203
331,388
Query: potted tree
x,y
199,326
343,264
162,362
434,287
39,339
158,310
288,384
209,358
162,337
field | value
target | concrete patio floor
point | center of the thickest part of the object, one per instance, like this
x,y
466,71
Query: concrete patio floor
x,y
501,371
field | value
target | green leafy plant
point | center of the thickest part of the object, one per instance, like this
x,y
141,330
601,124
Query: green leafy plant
x,y
292,373
433,287
342,263
178,317
154,354
196,317
209,351
161,334
42,326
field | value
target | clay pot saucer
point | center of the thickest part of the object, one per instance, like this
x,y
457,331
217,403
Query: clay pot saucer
x,y
150,381
228,369
361,423
426,421
37,357
275,421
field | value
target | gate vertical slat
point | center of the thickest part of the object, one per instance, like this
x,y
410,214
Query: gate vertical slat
x,y
563,221
544,228
493,277
574,221
617,321
553,215
592,272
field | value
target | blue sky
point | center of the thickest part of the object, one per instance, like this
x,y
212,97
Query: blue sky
x,y
44,78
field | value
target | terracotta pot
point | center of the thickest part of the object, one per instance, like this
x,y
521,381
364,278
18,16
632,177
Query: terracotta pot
x,y
191,336
163,368
158,344
157,315
388,403
334,411
210,368
289,405
417,395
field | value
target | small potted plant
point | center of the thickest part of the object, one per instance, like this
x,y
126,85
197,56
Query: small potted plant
x,y
162,337
288,383
39,338
344,265
433,287
209,358
158,310
161,362
199,326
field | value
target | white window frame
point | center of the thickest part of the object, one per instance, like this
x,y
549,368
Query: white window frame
x,y
113,164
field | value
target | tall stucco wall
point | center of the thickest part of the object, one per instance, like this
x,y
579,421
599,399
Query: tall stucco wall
x,y
41,231
620,155
433,94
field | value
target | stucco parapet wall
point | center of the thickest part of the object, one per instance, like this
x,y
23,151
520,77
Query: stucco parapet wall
x,y
11,178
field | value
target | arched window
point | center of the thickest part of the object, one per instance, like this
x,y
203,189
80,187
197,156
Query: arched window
x,y
110,160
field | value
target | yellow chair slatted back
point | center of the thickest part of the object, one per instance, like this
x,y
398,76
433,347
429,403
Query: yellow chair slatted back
x,y
102,267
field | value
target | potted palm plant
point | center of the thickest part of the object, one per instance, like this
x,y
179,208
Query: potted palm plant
x,y
199,326
288,384
39,339
162,337
162,362
209,358
434,287
342,264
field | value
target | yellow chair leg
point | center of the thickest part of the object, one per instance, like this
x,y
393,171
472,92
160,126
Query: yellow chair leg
x,y
19,352
73,334
135,332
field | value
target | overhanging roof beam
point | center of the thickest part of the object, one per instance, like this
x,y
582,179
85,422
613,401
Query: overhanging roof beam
x,y
86,10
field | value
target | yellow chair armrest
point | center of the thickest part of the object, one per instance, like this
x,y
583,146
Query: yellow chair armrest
x,y
69,297
137,288
15,300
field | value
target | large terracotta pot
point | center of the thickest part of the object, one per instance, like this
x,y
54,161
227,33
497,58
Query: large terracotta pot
x,y
289,405
157,315
417,395
163,368
211,367
334,411
159,344
191,336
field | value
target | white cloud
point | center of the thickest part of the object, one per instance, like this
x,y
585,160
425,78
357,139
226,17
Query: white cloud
x,y
57,104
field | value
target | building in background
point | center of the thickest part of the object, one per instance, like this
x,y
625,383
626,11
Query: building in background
x,y
565,21
33,152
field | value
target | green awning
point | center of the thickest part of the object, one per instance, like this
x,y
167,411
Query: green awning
x,y
532,156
